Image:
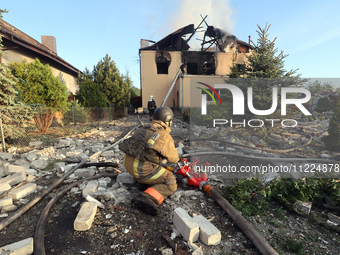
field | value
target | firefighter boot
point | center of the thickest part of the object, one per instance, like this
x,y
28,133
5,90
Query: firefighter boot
x,y
145,205
148,201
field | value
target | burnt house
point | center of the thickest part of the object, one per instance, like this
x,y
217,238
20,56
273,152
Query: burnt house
x,y
169,65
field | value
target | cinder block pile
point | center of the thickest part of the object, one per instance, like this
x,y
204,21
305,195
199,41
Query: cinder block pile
x,y
194,228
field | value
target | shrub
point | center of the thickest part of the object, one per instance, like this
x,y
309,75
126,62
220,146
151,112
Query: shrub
x,y
332,140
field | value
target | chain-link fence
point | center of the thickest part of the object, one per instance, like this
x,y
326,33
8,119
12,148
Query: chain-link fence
x,y
23,124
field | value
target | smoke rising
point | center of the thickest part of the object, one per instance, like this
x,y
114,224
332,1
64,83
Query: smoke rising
x,y
189,12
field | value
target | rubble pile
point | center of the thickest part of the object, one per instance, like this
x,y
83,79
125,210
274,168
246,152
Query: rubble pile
x,y
21,174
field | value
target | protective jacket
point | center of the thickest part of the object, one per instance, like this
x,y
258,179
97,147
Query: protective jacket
x,y
152,104
146,149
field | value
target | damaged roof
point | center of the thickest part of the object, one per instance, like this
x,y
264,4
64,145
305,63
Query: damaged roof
x,y
12,34
175,42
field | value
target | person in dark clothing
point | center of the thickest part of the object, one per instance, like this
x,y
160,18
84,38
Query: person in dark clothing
x,y
151,106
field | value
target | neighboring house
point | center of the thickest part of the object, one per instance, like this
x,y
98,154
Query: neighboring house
x,y
18,46
171,62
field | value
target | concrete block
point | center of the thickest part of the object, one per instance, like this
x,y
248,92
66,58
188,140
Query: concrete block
x,y
64,143
85,172
23,191
31,172
126,179
91,187
4,187
107,154
209,234
38,164
97,147
85,216
35,144
23,247
302,207
9,208
13,179
6,156
185,225
93,200
6,201
2,171
167,251
31,156
13,169
73,153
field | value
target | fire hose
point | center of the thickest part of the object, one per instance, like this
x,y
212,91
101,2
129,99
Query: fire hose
x,y
200,181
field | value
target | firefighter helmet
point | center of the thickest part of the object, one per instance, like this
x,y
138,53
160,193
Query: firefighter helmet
x,y
164,114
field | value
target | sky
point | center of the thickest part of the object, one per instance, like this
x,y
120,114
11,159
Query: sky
x,y
85,31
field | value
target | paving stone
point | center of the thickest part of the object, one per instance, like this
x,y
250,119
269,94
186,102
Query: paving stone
x,y
23,191
85,216
23,247
209,234
185,225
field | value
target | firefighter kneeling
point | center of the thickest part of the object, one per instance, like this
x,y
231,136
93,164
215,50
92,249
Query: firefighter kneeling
x,y
145,150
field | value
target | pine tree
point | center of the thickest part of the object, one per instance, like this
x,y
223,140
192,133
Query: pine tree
x,y
115,88
264,70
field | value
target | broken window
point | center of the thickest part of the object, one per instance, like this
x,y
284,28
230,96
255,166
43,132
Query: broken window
x,y
163,60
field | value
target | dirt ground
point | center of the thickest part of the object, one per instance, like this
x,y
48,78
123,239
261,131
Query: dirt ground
x,y
119,229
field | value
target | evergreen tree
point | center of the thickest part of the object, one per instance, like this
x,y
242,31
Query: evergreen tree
x,y
264,70
14,114
8,92
37,85
332,140
115,87
89,94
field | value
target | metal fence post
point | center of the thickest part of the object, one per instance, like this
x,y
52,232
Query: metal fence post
x,y
2,135
74,123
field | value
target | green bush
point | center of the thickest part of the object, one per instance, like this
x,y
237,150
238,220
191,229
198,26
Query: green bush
x,y
324,104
